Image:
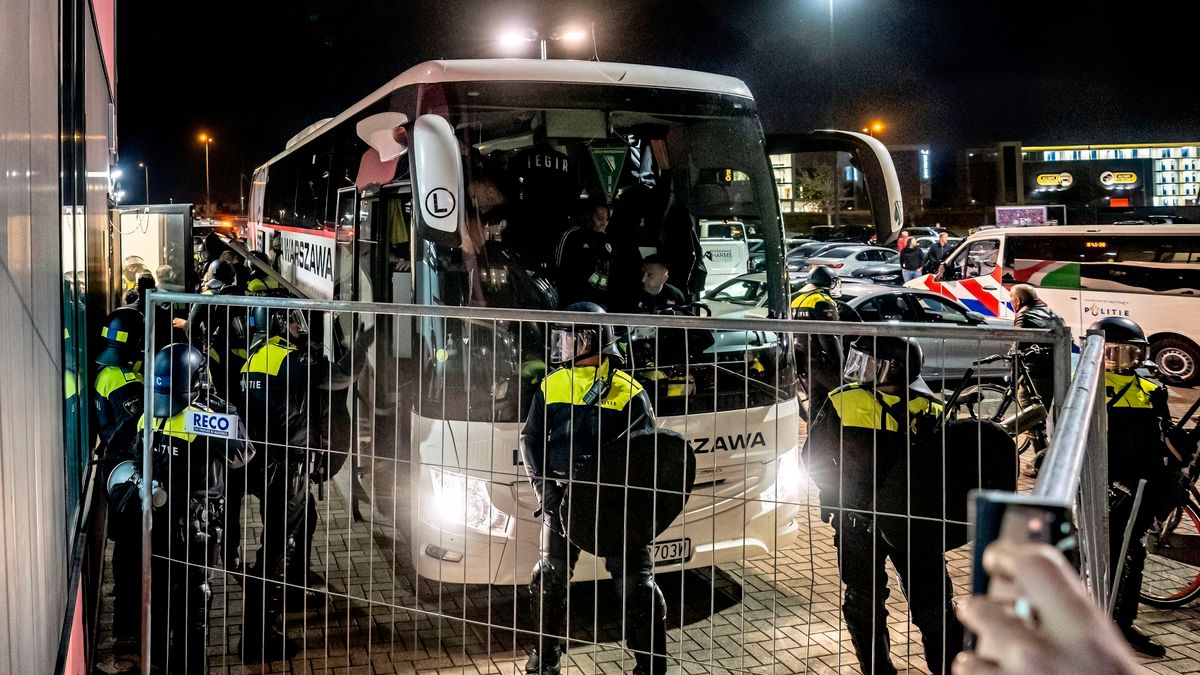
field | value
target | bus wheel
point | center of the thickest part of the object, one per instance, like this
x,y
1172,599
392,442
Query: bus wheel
x,y
1178,360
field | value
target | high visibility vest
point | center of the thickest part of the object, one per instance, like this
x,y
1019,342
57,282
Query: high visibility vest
x,y
861,408
1137,391
569,386
805,303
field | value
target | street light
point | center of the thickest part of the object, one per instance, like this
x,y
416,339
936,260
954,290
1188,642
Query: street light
x,y
874,129
513,38
207,141
146,172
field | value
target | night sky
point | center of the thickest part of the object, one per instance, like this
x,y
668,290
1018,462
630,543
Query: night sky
x,y
950,73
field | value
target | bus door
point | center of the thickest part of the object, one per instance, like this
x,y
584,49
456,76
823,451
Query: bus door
x,y
384,265
972,275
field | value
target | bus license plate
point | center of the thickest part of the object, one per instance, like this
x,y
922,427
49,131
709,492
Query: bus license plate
x,y
672,551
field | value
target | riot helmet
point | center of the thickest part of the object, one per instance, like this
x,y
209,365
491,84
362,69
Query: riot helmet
x,y
273,321
122,337
822,276
572,341
884,360
222,271
179,373
131,267
261,257
1125,344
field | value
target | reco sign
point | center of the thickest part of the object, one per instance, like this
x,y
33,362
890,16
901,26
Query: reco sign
x,y
211,424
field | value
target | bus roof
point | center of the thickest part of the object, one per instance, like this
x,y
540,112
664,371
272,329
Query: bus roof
x,y
533,70
1132,229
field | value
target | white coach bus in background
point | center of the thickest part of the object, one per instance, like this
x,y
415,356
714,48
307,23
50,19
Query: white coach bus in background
x,y
451,185
1147,273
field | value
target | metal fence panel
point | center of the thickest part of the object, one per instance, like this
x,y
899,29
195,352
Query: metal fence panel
x,y
426,529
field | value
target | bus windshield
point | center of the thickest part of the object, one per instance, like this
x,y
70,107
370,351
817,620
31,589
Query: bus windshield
x,y
540,158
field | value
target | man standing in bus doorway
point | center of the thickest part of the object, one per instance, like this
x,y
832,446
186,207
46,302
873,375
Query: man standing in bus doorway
x,y
584,260
584,405
1032,312
1138,423
864,430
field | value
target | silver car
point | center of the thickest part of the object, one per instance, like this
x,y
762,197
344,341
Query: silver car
x,y
845,259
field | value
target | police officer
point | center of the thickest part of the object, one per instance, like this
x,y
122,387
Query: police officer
x,y
119,403
582,406
1138,419
862,432
187,530
286,415
816,298
261,283
219,331
818,357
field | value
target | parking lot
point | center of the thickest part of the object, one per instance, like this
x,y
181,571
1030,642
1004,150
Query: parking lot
x,y
766,615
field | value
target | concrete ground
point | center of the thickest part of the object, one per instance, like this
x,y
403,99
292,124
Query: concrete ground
x,y
778,614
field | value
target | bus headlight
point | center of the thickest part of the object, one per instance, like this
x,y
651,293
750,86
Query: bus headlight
x,y
788,475
463,502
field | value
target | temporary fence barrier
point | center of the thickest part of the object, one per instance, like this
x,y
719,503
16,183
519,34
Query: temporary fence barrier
x,y
402,425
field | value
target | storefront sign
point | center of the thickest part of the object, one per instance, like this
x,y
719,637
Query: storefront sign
x,y
1118,178
1060,180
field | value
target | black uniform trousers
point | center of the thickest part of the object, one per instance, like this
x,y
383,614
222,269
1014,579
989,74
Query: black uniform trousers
x,y
863,549
180,592
1130,583
645,630
289,517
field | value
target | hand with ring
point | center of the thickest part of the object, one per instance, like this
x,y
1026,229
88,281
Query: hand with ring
x,y
1037,618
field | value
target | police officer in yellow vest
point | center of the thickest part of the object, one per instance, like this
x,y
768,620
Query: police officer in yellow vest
x,y
863,431
219,331
1138,419
816,298
580,407
286,413
118,404
261,283
186,534
818,357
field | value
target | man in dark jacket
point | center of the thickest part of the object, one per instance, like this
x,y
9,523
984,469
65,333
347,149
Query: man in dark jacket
x,y
938,253
1032,312
912,260
580,408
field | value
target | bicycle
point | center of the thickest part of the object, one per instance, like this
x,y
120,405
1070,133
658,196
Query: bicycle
x,y
1172,571
993,402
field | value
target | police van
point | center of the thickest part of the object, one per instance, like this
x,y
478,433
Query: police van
x,y
1147,273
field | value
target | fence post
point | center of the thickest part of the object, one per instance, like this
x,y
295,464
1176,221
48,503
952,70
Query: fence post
x,y
147,473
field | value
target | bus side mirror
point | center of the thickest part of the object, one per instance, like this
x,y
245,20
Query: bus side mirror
x,y
439,178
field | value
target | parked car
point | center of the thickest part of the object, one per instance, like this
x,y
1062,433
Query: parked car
x,y
945,359
845,259
798,257
886,273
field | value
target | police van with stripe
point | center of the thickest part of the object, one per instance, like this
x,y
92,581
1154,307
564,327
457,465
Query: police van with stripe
x,y
1147,273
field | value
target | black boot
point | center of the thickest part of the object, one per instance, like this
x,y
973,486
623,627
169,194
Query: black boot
x,y
274,646
1143,642
545,661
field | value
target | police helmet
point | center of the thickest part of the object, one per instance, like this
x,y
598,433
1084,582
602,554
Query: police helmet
x,y
1125,344
122,337
822,277
571,341
269,321
884,360
222,270
132,266
178,374
261,257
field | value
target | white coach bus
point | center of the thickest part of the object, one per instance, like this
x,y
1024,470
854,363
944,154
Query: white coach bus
x,y
1147,273
451,185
